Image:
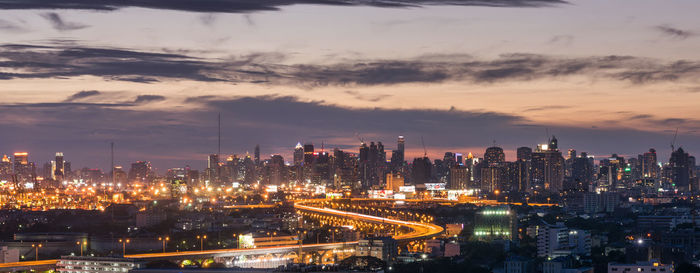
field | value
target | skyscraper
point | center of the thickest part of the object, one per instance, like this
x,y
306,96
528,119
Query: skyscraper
x,y
680,170
650,166
548,167
401,148
298,154
140,171
57,167
308,154
22,168
256,153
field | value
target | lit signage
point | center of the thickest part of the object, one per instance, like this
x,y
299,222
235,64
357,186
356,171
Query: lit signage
x,y
407,188
435,186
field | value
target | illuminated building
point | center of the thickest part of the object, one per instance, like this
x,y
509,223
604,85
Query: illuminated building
x,y
398,156
78,264
582,170
495,223
298,154
651,266
459,178
384,248
493,172
5,168
22,168
494,156
213,171
308,154
650,165
548,167
372,164
558,240
394,181
256,154
140,171
58,167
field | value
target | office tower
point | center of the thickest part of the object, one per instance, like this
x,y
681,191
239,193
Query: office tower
x,y
459,178
421,170
276,170
58,168
140,171
22,168
524,154
611,172
298,154
493,171
548,167
524,168
256,153
582,173
213,172
372,164
308,154
650,166
494,156
5,168
120,175
680,170
394,181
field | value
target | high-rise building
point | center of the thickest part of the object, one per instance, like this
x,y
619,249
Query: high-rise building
x,y
140,171
5,168
494,156
58,167
421,170
582,173
495,223
459,178
308,154
394,181
680,170
548,167
256,153
298,154
22,168
650,165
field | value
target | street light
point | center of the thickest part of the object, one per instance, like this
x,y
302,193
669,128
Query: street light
x,y
164,240
124,242
201,242
81,246
36,250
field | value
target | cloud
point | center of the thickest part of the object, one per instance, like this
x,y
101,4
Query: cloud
x,y
673,32
60,61
246,6
82,94
59,24
141,99
173,137
8,26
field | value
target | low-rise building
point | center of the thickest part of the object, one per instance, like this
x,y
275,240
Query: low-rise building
x,y
82,264
646,267
384,248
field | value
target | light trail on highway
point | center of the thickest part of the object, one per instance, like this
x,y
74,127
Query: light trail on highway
x,y
418,230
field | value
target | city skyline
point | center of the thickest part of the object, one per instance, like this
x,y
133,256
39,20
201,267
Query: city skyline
x,y
467,73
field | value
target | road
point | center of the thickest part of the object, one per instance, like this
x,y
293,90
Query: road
x,y
418,230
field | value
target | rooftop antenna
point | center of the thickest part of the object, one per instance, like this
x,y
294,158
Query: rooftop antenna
x,y
673,143
111,148
362,141
218,153
425,151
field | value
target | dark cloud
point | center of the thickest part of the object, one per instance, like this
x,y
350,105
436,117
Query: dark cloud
x,y
174,138
148,98
365,97
61,25
82,94
674,32
240,6
31,61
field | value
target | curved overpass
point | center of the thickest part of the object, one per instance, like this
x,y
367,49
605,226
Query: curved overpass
x,y
418,230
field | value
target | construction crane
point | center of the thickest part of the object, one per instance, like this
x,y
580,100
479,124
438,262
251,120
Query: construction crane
x,y
362,141
673,142
425,151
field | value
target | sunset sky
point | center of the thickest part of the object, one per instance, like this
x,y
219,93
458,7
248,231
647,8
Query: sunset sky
x,y
602,76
